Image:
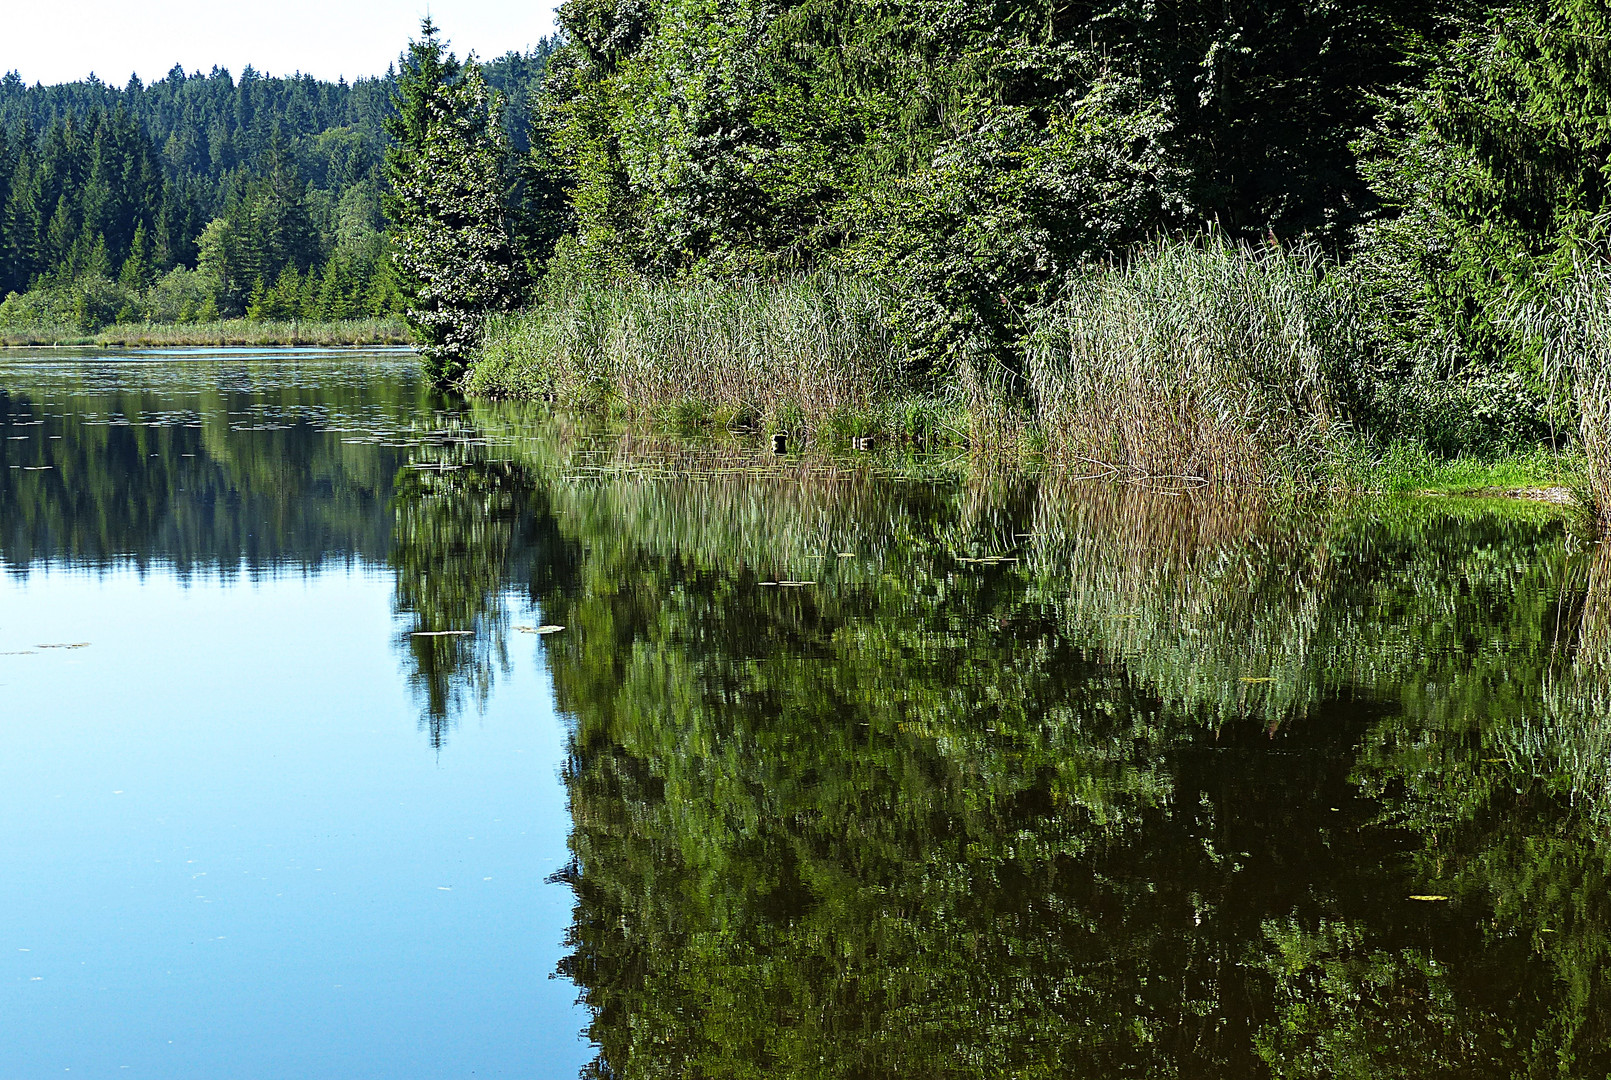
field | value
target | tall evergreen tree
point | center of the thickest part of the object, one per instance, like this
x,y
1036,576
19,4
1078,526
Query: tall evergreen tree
x,y
447,169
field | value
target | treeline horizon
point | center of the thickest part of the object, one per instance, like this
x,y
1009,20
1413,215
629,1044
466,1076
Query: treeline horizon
x,y
200,196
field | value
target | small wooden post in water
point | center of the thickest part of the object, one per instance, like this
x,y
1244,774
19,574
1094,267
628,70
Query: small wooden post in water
x,y
780,443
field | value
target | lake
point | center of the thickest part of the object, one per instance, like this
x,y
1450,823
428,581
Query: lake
x,y
356,731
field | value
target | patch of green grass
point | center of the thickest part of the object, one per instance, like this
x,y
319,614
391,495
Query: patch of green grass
x,y
1407,468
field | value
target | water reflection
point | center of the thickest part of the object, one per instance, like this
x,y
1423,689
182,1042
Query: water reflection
x,y
228,852
878,771
202,466
1038,781
261,465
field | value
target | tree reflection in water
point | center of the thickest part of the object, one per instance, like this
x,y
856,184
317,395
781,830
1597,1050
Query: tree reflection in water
x,y
1045,780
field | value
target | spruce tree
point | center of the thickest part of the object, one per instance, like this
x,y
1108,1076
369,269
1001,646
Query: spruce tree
x,y
136,272
8,168
99,262
256,303
452,245
330,303
24,218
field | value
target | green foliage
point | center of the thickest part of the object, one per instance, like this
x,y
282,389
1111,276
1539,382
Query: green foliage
x,y
966,154
81,199
1492,173
265,229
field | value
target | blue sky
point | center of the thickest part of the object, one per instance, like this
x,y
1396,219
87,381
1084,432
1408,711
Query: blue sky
x,y
54,41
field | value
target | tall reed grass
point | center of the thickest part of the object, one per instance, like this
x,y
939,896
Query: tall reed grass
x,y
1209,360
792,353
1572,329
1202,359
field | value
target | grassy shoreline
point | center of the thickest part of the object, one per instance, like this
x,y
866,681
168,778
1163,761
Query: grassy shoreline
x,y
223,333
1206,364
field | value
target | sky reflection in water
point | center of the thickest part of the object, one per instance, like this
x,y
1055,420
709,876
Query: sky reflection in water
x,y
231,847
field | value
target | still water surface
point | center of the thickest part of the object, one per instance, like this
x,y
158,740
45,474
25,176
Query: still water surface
x,y
855,770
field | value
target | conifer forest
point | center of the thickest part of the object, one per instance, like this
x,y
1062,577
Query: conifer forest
x,y
204,196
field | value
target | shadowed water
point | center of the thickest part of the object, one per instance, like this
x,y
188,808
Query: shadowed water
x,y
862,769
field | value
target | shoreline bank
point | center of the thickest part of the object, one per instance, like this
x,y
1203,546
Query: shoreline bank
x,y
227,332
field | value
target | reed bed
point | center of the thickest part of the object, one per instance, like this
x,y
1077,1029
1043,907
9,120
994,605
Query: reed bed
x,y
1209,361
792,354
1572,329
225,332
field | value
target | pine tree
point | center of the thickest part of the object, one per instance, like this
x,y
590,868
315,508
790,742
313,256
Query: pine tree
x,y
8,168
307,304
24,227
285,298
383,296
99,262
255,303
330,304
61,237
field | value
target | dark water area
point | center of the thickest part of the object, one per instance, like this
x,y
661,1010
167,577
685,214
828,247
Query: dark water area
x,y
836,769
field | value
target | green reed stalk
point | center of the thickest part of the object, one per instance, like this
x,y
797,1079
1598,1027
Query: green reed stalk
x,y
1206,360
1572,328
794,352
